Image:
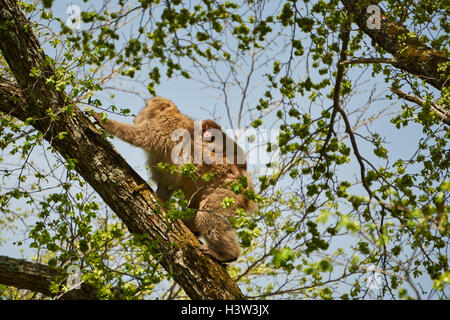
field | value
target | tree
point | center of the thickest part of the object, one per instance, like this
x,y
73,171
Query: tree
x,y
344,203
38,93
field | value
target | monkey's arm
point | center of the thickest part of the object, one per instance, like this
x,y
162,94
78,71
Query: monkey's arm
x,y
124,131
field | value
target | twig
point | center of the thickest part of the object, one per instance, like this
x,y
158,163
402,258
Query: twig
x,y
443,114
337,87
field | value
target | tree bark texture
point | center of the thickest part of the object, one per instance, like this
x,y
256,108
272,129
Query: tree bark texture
x,y
128,195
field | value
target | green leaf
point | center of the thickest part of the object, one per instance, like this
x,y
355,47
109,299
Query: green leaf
x,y
47,3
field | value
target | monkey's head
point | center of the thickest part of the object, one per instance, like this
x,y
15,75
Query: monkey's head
x,y
210,124
208,127
154,107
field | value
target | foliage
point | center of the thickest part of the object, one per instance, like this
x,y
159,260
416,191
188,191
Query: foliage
x,y
360,183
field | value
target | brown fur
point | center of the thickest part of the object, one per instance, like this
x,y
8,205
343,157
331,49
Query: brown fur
x,y
237,169
152,131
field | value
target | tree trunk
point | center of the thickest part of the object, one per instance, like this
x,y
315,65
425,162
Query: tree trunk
x,y
128,195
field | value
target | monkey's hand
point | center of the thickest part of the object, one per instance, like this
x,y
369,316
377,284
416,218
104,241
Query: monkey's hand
x,y
97,116
99,119
204,248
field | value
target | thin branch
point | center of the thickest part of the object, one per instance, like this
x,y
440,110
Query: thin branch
x,y
443,114
369,60
337,88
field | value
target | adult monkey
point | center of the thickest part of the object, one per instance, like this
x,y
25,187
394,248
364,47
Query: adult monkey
x,y
152,130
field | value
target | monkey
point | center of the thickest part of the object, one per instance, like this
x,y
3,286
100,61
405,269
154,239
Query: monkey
x,y
236,160
152,130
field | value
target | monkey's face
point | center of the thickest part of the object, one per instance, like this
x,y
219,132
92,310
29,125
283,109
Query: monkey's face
x,y
210,129
154,107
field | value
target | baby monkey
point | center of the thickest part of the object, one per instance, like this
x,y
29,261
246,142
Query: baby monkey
x,y
215,140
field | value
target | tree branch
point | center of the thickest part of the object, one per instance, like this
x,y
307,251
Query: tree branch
x,y
412,55
338,109
37,277
128,195
370,60
443,114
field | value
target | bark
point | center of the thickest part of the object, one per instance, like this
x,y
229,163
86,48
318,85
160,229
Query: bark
x,y
412,55
37,277
128,195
